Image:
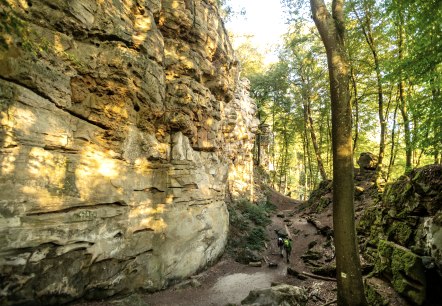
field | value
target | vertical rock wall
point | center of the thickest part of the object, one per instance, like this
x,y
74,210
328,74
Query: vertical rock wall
x,y
116,140
240,127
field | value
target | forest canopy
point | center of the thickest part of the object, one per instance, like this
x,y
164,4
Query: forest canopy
x,y
395,53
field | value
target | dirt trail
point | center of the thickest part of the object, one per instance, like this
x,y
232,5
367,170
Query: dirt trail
x,y
230,282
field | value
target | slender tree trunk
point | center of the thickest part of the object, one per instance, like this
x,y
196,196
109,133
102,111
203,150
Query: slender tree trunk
x,y
309,123
258,142
329,144
258,146
407,130
368,34
418,159
435,91
273,146
393,142
349,276
309,160
304,143
287,157
403,104
356,112
286,168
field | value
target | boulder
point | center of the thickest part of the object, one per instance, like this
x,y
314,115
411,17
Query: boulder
x,y
280,295
368,161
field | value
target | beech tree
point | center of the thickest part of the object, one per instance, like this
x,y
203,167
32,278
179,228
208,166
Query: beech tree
x,y
331,27
366,24
307,80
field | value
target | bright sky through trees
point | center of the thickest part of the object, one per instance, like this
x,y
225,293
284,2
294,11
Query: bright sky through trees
x,y
263,19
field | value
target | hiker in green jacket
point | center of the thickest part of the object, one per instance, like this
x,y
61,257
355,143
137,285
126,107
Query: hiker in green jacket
x,y
288,248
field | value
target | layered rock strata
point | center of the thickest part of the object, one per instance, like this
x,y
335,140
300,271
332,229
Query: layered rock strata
x,y
119,124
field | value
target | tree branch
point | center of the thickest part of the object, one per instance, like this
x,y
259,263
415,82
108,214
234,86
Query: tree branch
x,y
319,277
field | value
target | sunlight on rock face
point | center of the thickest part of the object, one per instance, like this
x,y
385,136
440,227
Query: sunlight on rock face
x,y
240,178
141,165
175,4
95,170
47,167
150,218
7,165
94,162
58,45
107,168
18,3
43,197
143,25
209,121
169,199
20,119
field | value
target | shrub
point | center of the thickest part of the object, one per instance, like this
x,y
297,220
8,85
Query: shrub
x,y
247,227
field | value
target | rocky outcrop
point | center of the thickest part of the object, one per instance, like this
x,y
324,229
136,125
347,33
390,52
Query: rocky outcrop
x,y
404,235
239,130
117,134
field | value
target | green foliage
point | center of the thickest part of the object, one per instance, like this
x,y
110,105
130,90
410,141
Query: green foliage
x,y
406,36
373,297
247,228
256,238
257,213
422,26
10,24
251,60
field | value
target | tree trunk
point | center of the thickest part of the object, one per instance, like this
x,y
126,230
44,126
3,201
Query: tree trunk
x,y
304,145
349,276
368,34
393,141
309,123
407,130
258,142
356,104
403,103
309,161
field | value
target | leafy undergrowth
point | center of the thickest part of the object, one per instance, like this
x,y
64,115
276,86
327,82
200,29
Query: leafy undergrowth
x,y
247,235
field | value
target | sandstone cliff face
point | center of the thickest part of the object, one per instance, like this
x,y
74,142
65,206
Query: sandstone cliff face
x,y
119,129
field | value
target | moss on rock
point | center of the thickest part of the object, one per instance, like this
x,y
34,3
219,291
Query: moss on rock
x,y
404,269
373,297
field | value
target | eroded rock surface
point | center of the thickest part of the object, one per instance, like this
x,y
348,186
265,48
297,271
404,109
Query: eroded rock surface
x,y
120,124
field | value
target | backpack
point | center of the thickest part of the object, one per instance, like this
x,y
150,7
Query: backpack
x,y
287,244
280,242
